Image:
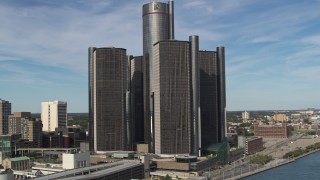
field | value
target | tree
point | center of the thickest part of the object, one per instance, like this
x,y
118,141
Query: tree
x,y
261,159
307,121
167,177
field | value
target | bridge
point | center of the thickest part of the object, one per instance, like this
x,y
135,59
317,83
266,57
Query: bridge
x,y
48,150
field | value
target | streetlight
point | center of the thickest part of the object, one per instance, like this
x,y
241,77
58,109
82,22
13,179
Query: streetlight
x,y
223,175
234,167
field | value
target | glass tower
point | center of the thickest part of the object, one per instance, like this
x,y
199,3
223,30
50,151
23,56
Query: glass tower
x,y
157,26
107,98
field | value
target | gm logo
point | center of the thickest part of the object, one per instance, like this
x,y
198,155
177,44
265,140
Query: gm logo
x,y
156,7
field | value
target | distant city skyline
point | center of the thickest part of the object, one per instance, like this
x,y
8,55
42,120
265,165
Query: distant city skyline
x,y
272,56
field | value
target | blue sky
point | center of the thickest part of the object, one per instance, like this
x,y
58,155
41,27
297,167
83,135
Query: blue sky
x,y
272,47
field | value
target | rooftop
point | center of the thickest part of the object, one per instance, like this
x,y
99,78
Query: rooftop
x,y
95,171
19,158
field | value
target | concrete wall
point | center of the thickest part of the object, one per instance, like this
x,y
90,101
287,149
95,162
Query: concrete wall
x,y
173,165
72,161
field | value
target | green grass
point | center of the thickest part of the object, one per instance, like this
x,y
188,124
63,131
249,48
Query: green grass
x,y
260,159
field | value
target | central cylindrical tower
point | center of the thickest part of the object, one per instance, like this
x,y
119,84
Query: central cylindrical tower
x,y
157,26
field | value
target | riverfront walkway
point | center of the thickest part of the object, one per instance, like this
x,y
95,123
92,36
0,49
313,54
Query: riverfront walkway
x,y
274,147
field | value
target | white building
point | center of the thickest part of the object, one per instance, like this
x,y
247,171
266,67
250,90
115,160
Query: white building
x,y
77,160
53,115
245,115
315,117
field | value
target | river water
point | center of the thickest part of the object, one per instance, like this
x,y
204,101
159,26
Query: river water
x,y
304,168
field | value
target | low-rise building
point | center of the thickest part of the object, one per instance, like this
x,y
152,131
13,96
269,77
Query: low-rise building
x,y
235,154
10,143
180,162
5,146
52,140
253,145
142,148
116,170
232,139
76,160
280,117
123,155
18,163
72,136
273,131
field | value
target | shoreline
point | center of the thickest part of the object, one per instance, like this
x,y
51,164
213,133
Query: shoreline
x,y
266,168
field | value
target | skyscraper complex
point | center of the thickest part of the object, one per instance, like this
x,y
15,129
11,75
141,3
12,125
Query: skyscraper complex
x,y
53,115
171,98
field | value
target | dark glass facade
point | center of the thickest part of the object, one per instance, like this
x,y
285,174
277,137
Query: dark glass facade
x,y
221,93
196,118
107,95
62,114
172,97
136,92
5,111
5,146
212,97
209,98
157,26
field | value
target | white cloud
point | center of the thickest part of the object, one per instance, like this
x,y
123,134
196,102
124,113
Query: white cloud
x,y
8,58
264,39
60,36
313,40
307,73
305,55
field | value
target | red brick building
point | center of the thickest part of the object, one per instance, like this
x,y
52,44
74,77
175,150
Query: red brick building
x,y
273,131
254,145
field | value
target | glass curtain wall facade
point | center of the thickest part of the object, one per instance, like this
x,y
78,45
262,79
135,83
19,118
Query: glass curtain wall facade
x,y
137,100
196,111
212,97
107,95
5,146
221,93
172,97
209,98
157,26
5,111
